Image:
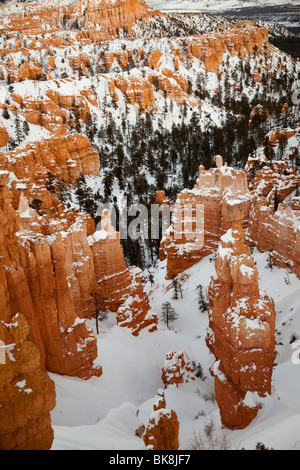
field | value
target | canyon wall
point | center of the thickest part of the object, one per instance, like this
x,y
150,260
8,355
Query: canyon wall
x,y
263,198
53,259
274,220
38,272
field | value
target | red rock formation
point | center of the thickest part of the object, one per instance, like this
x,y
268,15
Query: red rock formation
x,y
27,394
121,286
271,179
161,401
242,332
258,112
39,267
219,199
163,428
78,104
209,48
135,312
295,204
44,113
177,369
277,233
65,157
4,136
162,199
154,58
137,91
111,15
90,96
273,223
275,135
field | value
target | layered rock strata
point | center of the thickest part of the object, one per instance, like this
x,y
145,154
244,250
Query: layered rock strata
x,y
219,199
66,157
42,278
274,219
242,332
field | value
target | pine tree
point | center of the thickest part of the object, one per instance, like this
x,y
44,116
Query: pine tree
x,y
80,188
36,205
5,113
168,313
175,289
202,299
270,262
18,128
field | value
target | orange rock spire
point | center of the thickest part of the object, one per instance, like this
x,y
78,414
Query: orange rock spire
x,y
242,332
220,199
162,431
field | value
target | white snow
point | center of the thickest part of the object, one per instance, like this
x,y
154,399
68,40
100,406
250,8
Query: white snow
x,y
101,413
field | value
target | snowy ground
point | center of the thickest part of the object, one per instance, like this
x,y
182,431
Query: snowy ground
x,y
102,413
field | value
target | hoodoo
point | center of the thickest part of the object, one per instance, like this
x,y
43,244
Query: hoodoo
x,y
219,199
242,332
163,429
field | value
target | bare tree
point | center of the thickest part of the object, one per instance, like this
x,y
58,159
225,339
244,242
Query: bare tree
x,y
99,306
168,313
212,440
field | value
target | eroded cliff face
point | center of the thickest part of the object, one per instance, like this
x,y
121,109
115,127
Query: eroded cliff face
x,y
38,274
64,156
242,332
274,219
219,199
27,394
211,47
86,15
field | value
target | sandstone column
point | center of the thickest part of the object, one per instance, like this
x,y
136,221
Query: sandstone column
x,y
242,332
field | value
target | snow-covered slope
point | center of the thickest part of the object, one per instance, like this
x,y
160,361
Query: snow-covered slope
x,y
102,413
